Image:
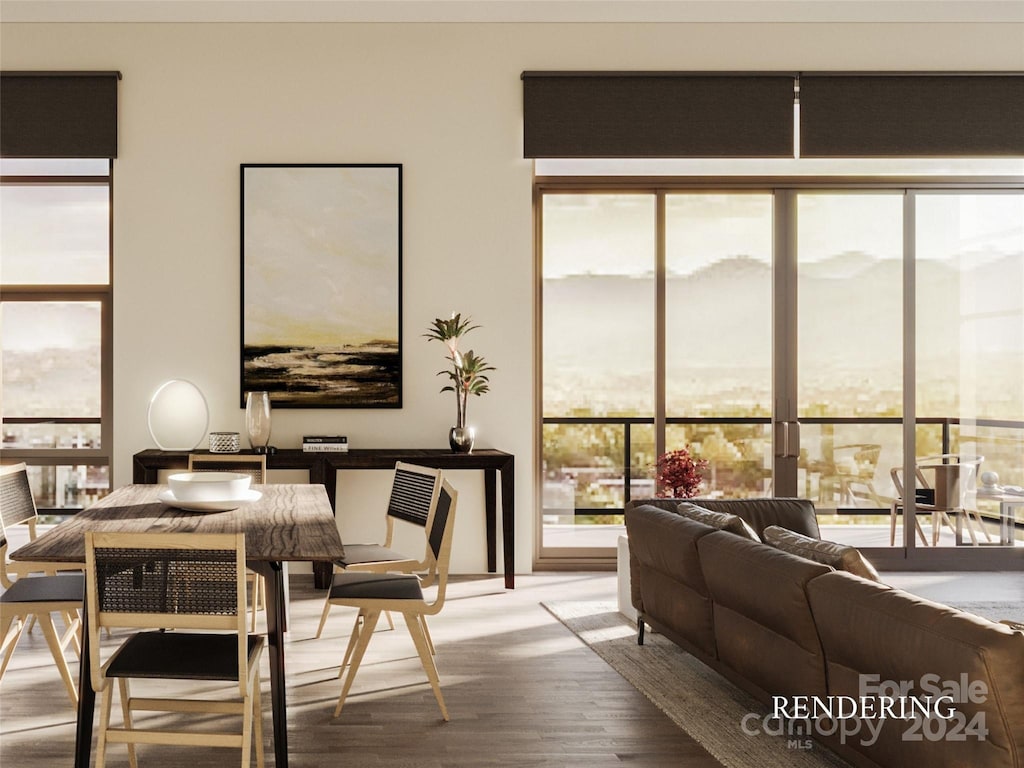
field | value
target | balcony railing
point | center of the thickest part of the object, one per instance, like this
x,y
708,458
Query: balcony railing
x,y
620,471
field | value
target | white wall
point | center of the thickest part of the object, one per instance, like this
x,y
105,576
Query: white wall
x,y
443,99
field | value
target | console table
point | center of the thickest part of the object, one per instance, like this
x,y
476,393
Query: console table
x,y
323,469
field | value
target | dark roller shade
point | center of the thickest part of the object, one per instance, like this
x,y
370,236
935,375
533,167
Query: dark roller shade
x,y
657,115
66,114
911,115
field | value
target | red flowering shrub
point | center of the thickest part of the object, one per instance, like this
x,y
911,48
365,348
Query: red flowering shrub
x,y
679,474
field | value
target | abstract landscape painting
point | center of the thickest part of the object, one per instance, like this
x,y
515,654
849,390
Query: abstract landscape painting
x,y
321,285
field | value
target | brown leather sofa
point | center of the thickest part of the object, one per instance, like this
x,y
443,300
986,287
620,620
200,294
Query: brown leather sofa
x,y
779,625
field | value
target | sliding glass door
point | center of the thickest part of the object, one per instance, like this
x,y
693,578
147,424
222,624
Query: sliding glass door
x,y
808,340
849,358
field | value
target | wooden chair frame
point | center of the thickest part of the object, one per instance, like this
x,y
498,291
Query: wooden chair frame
x,y
414,610
17,615
398,564
968,465
248,658
254,465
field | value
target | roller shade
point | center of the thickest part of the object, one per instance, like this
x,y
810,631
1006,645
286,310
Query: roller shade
x,y
584,114
58,114
928,115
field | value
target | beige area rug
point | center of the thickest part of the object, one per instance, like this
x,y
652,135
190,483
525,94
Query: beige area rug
x,y
699,700
996,611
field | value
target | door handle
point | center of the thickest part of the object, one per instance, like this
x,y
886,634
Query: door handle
x,y
787,439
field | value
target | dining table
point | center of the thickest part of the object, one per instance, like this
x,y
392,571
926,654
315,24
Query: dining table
x,y
288,522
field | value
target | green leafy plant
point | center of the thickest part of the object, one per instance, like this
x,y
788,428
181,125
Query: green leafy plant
x,y
468,371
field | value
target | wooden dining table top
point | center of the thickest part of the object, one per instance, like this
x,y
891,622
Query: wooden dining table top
x,y
288,522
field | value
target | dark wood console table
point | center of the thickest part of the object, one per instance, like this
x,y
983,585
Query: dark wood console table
x,y
323,469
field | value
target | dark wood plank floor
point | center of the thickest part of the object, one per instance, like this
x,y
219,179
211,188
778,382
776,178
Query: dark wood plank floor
x,y
521,689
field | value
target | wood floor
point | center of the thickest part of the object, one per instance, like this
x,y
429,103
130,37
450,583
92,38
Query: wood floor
x,y
521,689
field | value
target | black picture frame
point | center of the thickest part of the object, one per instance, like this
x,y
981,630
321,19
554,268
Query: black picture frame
x,y
321,284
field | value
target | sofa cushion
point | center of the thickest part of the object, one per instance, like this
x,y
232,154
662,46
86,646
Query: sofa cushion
x,y
872,633
719,520
842,557
764,629
795,514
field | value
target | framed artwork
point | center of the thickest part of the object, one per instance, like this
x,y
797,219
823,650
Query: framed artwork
x,y
322,284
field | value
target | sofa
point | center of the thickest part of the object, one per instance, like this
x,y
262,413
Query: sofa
x,y
782,627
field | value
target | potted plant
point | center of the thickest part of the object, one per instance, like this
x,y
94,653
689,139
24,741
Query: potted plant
x,y
468,375
678,474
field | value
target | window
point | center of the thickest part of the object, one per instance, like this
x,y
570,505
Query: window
x,y
696,312
55,326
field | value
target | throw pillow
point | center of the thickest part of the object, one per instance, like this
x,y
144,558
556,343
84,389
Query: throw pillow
x,y
720,520
840,556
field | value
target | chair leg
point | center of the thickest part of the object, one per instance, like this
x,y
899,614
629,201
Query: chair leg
x,y
920,532
981,523
126,714
970,526
357,656
11,636
323,616
73,633
391,622
892,526
247,703
101,742
258,720
426,634
412,621
45,622
257,592
353,638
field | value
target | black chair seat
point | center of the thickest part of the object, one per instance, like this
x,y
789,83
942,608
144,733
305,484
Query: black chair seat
x,y
46,589
376,586
356,554
180,656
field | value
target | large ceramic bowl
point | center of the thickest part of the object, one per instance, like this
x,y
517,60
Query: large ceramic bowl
x,y
209,486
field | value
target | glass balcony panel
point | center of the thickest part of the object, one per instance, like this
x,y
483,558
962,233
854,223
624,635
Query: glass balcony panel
x,y
739,457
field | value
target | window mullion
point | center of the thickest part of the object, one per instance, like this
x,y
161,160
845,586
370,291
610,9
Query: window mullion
x,y
660,369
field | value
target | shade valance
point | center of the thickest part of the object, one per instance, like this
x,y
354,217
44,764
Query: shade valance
x,y
58,114
638,114
912,115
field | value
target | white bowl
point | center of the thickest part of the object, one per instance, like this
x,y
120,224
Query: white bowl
x,y
209,486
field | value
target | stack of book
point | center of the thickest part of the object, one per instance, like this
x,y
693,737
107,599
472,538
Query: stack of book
x,y
324,443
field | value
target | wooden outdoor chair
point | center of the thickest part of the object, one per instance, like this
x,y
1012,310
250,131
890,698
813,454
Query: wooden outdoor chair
x,y
414,495
177,582
244,464
372,593
940,486
28,596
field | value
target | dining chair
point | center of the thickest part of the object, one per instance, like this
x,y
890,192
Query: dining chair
x,y
414,495
245,464
372,593
851,475
940,487
29,596
179,582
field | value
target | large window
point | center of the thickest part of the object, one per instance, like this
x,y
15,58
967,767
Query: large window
x,y
695,313
55,326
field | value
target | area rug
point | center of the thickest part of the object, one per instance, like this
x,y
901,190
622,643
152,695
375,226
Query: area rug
x,y
700,701
996,611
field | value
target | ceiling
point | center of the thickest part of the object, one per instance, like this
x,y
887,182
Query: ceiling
x,y
546,11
